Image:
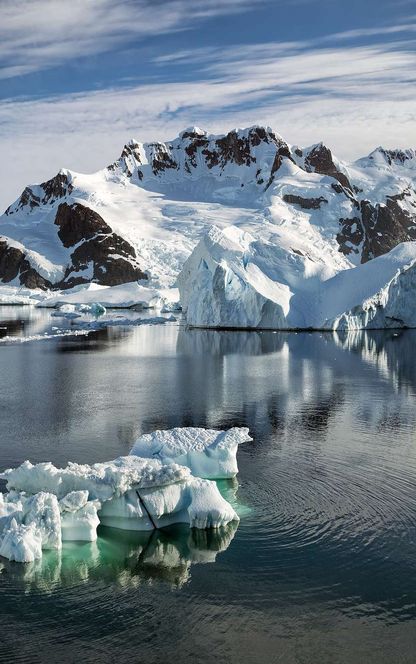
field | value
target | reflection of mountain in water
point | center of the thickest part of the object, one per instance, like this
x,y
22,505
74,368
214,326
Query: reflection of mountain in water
x,y
292,381
387,350
127,558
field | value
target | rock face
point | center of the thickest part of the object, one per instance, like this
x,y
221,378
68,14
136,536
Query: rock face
x,y
110,258
14,264
142,216
42,194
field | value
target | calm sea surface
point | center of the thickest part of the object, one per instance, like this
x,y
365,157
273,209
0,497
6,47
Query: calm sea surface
x,y
322,567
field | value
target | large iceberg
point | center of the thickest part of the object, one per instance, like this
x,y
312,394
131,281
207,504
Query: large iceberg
x,y
46,505
232,280
208,453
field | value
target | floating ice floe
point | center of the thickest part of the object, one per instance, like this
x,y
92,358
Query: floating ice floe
x,y
207,452
115,321
72,311
46,505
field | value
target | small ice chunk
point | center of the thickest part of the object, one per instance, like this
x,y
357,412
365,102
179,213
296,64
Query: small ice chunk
x,y
80,525
73,501
95,309
21,543
208,453
208,509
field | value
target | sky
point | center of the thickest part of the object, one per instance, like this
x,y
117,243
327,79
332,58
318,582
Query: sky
x,y
78,79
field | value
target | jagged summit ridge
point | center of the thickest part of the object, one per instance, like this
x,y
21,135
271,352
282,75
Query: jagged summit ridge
x,y
194,153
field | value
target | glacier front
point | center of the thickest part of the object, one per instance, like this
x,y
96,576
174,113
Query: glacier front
x,y
232,280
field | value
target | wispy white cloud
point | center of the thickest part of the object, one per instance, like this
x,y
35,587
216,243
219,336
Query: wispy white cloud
x,y
39,34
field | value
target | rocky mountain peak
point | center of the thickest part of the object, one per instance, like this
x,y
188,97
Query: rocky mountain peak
x,y
45,193
396,157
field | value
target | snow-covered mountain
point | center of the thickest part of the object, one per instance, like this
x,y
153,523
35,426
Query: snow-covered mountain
x,y
141,217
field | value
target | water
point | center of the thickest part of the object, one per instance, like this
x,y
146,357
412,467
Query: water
x,y
322,568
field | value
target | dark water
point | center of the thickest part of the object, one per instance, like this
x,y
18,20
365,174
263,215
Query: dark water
x,y
322,568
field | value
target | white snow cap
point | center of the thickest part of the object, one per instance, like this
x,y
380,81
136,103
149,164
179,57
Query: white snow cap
x,y
195,131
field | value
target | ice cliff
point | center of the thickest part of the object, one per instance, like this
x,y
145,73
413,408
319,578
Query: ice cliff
x,y
232,280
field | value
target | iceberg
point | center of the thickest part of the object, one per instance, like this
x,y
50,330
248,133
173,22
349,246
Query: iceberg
x,y
46,505
232,280
209,453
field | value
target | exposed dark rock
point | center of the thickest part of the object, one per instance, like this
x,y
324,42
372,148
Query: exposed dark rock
x,y
378,228
385,226
258,135
27,198
113,259
394,156
282,152
319,160
234,148
350,235
211,157
305,203
162,160
77,222
13,263
58,187
128,160
192,149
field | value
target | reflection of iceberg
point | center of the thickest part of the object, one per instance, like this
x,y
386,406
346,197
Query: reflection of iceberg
x,y
46,505
193,342
126,558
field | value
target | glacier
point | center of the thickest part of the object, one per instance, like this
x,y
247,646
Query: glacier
x,y
45,505
233,280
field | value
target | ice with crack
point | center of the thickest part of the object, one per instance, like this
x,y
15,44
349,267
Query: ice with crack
x,y
46,505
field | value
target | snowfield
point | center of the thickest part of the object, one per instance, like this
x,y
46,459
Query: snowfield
x,y
45,505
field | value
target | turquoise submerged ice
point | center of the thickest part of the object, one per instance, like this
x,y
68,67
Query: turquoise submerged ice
x,y
46,505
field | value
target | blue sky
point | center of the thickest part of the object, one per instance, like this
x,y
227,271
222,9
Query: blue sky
x,y
79,78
